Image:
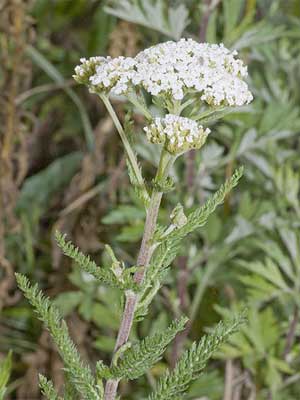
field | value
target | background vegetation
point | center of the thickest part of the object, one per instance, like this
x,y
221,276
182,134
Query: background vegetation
x,y
62,167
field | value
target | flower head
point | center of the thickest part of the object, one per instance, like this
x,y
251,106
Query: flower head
x,y
114,75
172,70
86,69
177,134
106,74
176,68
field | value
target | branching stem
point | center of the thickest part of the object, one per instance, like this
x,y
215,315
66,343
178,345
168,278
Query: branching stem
x,y
144,256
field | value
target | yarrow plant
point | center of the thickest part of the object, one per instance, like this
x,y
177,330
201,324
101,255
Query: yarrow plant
x,y
188,82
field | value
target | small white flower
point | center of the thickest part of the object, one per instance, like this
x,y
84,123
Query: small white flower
x,y
177,134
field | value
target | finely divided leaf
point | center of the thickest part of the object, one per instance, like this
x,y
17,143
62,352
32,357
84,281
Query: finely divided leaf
x,y
174,384
140,358
102,275
47,388
80,373
170,245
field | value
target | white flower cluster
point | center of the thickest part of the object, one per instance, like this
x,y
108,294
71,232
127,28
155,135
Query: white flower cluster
x,y
87,68
176,68
173,69
114,75
106,74
177,134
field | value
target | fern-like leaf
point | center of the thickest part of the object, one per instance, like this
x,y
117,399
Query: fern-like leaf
x,y
199,217
47,388
140,358
169,247
102,275
174,384
70,392
79,373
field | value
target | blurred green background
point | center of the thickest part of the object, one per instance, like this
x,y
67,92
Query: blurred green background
x,y
62,166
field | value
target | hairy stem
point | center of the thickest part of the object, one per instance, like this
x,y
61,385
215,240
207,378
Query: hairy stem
x,y
143,260
229,377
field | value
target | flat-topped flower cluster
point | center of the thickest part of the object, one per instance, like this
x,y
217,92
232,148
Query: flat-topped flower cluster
x,y
177,134
172,69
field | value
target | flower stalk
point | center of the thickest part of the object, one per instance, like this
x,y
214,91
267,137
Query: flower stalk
x,y
144,256
129,151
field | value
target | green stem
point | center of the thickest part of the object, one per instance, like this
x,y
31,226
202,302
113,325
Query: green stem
x,y
207,113
133,100
176,107
186,104
130,153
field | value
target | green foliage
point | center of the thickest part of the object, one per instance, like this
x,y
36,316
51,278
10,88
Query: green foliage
x,y
140,191
54,74
5,370
287,183
153,14
259,345
140,357
39,189
170,244
47,388
265,281
124,214
174,384
199,217
80,373
103,275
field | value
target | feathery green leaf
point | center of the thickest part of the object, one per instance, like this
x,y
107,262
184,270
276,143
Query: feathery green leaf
x,y
140,191
47,388
142,356
80,374
199,217
174,384
169,247
102,275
